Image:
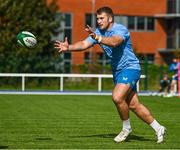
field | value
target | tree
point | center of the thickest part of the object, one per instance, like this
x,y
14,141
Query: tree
x,y
34,16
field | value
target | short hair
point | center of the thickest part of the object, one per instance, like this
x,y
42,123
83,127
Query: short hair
x,y
106,10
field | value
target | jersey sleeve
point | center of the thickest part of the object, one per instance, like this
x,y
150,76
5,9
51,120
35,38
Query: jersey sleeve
x,y
91,40
122,32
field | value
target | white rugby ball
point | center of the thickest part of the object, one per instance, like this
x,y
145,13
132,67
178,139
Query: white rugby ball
x,y
26,39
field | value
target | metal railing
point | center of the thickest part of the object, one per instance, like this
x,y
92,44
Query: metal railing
x,y
61,76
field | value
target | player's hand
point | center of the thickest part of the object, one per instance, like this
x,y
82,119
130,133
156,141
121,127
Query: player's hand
x,y
90,31
61,46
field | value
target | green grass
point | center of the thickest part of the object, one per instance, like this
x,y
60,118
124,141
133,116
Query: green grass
x,y
81,122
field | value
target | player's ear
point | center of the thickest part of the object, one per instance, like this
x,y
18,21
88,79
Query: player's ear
x,y
110,19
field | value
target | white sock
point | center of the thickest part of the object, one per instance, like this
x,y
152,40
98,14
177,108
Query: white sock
x,y
155,125
126,124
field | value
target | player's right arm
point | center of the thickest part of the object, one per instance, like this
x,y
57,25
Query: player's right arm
x,y
65,46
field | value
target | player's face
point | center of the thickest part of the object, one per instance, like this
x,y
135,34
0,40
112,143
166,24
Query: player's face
x,y
104,21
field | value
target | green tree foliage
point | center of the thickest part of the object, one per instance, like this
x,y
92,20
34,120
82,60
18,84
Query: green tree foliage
x,y
33,16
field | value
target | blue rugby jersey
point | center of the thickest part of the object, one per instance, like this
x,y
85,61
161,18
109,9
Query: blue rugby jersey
x,y
122,56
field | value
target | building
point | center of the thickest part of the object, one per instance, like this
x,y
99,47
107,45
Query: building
x,y
154,27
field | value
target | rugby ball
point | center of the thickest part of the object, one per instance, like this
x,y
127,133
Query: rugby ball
x,y
26,39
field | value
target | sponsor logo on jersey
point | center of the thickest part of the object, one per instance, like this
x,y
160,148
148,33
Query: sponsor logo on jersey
x,y
125,78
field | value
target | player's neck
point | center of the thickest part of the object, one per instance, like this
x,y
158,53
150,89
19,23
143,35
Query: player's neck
x,y
110,26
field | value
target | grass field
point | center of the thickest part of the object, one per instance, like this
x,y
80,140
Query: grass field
x,y
81,122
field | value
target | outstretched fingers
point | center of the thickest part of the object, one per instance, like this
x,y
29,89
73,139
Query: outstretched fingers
x,y
57,44
61,46
90,31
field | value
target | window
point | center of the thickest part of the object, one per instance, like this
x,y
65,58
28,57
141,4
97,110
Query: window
x,y
150,23
67,20
150,57
100,57
87,57
66,63
173,6
131,22
67,67
136,23
90,20
121,19
140,23
65,27
68,33
64,30
67,55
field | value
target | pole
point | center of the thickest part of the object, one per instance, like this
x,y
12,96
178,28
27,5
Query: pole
x,y
93,21
93,25
146,73
178,78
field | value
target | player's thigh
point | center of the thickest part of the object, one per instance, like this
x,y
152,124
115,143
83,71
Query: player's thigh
x,y
125,80
120,92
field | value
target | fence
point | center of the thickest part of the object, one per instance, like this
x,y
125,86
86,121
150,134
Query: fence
x,y
61,76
